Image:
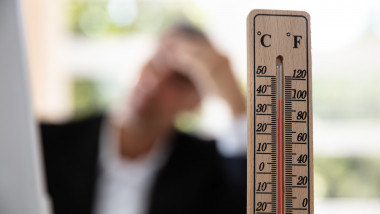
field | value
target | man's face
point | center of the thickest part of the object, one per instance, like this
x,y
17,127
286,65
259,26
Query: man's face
x,y
161,93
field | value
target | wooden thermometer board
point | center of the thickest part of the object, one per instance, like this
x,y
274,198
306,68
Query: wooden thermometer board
x,y
280,124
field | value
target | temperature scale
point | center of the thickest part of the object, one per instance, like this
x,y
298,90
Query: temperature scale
x,y
280,124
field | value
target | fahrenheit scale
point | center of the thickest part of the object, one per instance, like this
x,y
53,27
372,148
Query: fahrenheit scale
x,y
280,146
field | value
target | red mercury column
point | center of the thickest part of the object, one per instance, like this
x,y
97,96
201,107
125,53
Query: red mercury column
x,y
280,133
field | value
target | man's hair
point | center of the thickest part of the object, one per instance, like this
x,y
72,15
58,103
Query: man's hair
x,y
184,28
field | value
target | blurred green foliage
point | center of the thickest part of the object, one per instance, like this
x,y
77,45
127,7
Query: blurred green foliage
x,y
87,99
187,121
92,18
351,177
337,97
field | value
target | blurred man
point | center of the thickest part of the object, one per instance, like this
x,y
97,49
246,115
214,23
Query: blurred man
x,y
134,161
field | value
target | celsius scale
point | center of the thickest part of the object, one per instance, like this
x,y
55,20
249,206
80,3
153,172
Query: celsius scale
x,y
280,123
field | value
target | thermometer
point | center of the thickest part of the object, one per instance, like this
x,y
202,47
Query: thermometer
x,y
280,124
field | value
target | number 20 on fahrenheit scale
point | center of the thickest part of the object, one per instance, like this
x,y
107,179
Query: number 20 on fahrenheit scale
x,y
280,137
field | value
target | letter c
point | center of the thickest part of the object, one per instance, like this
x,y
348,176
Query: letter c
x,y
263,38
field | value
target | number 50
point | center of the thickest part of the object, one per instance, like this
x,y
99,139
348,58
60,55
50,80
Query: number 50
x,y
261,69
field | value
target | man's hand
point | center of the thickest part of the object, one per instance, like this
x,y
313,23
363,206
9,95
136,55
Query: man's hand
x,y
209,70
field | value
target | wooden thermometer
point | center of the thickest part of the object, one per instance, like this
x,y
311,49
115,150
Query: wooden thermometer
x,y
280,124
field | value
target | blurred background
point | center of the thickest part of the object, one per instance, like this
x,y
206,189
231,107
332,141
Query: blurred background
x,y
84,55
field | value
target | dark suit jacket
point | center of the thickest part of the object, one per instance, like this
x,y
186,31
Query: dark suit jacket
x,y
194,180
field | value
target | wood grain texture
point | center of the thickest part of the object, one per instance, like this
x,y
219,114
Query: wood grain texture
x,y
286,34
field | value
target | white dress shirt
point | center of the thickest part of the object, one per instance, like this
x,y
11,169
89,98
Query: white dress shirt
x,y
124,186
